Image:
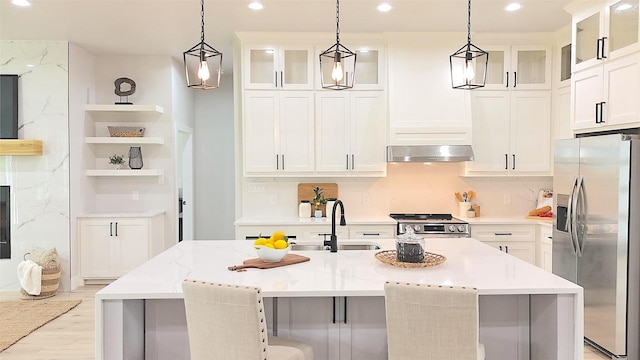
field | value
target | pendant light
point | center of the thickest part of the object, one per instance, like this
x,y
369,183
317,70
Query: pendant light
x,y
202,63
469,63
337,63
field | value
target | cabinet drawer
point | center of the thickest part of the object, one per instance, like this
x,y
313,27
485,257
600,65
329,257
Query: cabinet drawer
x,y
372,232
503,232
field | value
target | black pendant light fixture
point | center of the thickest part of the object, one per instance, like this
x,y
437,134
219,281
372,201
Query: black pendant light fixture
x,y
202,63
469,63
337,63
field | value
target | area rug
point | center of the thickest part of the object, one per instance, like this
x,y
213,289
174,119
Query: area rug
x,y
20,318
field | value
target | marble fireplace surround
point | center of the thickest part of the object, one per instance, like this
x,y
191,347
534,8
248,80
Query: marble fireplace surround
x,y
39,184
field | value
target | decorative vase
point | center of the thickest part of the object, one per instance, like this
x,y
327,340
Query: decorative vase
x,y
135,157
318,213
117,166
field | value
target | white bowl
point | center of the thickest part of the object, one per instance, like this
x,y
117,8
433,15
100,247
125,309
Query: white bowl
x,y
270,255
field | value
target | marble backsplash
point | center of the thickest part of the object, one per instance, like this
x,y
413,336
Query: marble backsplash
x,y
39,184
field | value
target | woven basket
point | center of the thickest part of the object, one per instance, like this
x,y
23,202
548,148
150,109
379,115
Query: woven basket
x,y
49,283
126,131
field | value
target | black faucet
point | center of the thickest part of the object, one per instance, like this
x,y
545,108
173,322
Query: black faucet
x,y
333,240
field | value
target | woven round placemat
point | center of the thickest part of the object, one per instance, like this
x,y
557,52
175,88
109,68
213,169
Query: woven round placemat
x,y
391,257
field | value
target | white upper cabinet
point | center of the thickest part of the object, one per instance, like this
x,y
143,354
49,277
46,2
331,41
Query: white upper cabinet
x,y
511,133
278,67
603,32
350,133
278,132
518,67
370,67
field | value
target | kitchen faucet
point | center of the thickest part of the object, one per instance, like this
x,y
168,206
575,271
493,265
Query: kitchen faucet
x,y
333,240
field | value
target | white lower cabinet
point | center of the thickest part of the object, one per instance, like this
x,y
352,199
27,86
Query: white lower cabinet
x,y
111,247
518,240
319,232
336,327
545,250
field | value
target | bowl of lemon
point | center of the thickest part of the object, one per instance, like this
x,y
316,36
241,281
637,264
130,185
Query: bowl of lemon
x,y
272,249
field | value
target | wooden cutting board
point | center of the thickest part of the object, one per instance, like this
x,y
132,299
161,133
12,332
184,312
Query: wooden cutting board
x,y
305,192
257,263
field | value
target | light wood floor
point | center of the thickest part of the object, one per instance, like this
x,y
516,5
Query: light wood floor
x,y
71,336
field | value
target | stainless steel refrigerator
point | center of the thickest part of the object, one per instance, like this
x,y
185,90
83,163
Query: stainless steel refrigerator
x,y
596,235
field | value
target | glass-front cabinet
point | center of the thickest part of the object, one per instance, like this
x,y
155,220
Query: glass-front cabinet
x,y
518,67
607,32
370,67
278,67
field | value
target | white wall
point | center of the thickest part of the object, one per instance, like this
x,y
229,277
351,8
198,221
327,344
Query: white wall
x,y
39,184
214,206
410,187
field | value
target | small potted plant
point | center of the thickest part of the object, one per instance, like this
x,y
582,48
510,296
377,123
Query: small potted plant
x,y
116,160
318,201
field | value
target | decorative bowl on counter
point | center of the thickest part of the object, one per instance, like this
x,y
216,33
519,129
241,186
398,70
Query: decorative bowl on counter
x,y
270,255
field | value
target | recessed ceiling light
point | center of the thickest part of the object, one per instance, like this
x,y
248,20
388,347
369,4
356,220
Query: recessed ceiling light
x,y
256,5
623,7
384,7
30,65
513,7
21,2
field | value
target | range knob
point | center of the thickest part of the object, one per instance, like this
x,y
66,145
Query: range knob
x,y
416,228
452,228
461,228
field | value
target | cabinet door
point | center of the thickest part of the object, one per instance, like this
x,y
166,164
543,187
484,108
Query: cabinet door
x,y
498,67
260,112
368,131
531,67
295,131
522,250
363,336
586,93
530,132
283,67
332,137
131,244
96,248
372,232
622,91
587,29
622,28
260,67
296,67
491,121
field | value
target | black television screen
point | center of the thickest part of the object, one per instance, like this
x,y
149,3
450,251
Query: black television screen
x,y
5,222
8,106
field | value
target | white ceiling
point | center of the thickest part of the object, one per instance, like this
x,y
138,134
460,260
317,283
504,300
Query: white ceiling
x,y
169,27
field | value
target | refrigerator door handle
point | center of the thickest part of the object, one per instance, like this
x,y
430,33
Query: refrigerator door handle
x,y
582,217
571,207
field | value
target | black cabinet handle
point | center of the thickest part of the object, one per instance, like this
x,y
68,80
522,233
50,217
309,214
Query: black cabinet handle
x,y
500,247
281,82
334,309
506,249
601,107
277,162
506,161
603,56
515,78
276,77
116,229
282,161
347,161
514,162
503,234
353,162
345,309
598,57
507,79
371,234
597,113
111,229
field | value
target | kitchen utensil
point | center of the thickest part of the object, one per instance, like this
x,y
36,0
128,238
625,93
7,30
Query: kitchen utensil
x,y
459,197
257,263
465,196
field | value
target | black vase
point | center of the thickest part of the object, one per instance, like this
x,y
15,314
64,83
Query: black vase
x,y
135,158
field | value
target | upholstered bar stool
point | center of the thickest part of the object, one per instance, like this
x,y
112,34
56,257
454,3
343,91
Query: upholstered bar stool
x,y
227,322
431,322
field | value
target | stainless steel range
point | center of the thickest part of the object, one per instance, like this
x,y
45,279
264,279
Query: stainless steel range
x,y
432,225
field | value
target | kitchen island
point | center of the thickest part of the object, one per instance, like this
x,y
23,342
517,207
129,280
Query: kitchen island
x,y
335,301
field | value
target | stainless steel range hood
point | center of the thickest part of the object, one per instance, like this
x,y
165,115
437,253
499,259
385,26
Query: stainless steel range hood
x,y
429,153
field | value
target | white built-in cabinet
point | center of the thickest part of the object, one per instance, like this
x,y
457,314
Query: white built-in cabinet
x,y
518,67
99,117
288,67
545,248
350,132
518,240
606,65
352,328
112,246
278,132
511,133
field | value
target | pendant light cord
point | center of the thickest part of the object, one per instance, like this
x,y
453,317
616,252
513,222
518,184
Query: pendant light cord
x,y
202,21
469,24
337,21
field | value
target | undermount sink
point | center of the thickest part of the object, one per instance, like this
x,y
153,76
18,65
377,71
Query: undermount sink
x,y
349,246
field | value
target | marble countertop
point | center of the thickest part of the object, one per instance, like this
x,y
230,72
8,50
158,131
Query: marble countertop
x,y
498,220
345,273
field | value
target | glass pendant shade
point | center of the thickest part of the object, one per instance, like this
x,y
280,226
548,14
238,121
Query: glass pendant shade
x,y
202,63
469,64
337,63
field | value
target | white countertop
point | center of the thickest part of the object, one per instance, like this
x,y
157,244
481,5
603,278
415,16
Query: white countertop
x,y
122,214
501,220
351,220
345,273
